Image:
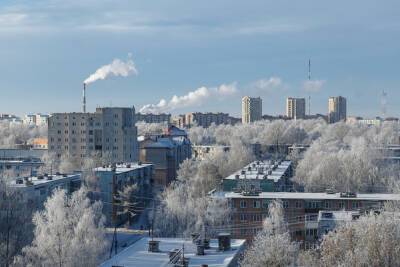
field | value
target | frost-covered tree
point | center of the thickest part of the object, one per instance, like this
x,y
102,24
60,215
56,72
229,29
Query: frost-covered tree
x,y
12,134
150,128
68,232
272,245
349,158
373,240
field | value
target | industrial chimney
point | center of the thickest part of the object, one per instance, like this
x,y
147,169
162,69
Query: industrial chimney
x,y
84,98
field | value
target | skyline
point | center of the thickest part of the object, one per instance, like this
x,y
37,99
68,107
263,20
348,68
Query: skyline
x,y
258,49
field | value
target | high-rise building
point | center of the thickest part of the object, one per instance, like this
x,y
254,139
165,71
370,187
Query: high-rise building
x,y
336,109
109,132
296,108
251,109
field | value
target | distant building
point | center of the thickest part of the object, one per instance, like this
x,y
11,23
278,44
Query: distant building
x,y
337,109
296,108
125,174
36,119
40,143
153,118
200,152
166,152
110,132
176,251
10,118
35,190
368,122
21,154
19,168
206,119
251,109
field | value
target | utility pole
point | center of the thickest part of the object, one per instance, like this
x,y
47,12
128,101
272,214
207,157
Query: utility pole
x,y
114,242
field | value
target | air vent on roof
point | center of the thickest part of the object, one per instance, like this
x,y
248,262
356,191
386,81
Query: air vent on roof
x,y
243,172
50,178
237,176
19,181
40,177
348,194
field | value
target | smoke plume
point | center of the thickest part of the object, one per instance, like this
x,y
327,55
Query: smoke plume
x,y
194,98
116,68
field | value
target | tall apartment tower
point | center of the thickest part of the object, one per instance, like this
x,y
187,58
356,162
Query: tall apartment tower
x,y
295,108
336,109
108,132
251,109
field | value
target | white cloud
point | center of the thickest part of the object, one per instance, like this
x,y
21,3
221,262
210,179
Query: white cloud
x,y
313,85
191,99
269,85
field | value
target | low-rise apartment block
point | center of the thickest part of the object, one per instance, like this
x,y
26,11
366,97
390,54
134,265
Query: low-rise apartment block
x,y
301,210
112,179
35,190
260,176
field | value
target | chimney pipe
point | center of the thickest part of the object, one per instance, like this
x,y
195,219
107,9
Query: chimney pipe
x,y
84,98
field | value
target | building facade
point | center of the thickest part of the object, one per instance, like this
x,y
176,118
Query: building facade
x,y
153,118
337,109
113,179
296,108
251,109
300,210
206,119
109,132
36,119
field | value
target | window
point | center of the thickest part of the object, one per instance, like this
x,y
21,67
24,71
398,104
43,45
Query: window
x,y
265,203
356,204
242,217
298,204
328,205
285,204
341,205
243,204
256,204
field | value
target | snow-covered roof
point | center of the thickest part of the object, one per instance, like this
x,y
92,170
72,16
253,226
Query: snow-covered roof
x,y
308,196
266,169
124,167
137,254
41,180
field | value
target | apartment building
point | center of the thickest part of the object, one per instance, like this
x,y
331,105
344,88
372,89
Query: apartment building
x,y
260,176
166,152
19,168
300,209
337,109
109,132
112,179
34,190
37,119
206,119
296,108
251,109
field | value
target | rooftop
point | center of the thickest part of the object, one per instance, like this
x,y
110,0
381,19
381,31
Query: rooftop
x,y
45,179
123,167
137,254
309,196
266,169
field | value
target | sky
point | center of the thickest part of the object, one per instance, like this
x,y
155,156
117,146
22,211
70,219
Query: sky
x,y
199,55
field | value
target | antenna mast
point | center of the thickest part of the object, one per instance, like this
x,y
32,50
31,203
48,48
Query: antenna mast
x,y
309,79
384,104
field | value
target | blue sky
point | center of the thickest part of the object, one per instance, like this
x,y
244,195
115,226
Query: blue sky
x,y
258,48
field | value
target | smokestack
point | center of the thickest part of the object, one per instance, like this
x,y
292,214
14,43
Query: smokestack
x,y
84,98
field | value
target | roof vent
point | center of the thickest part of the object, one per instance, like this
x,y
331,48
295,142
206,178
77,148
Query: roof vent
x,y
224,241
19,181
154,246
237,176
